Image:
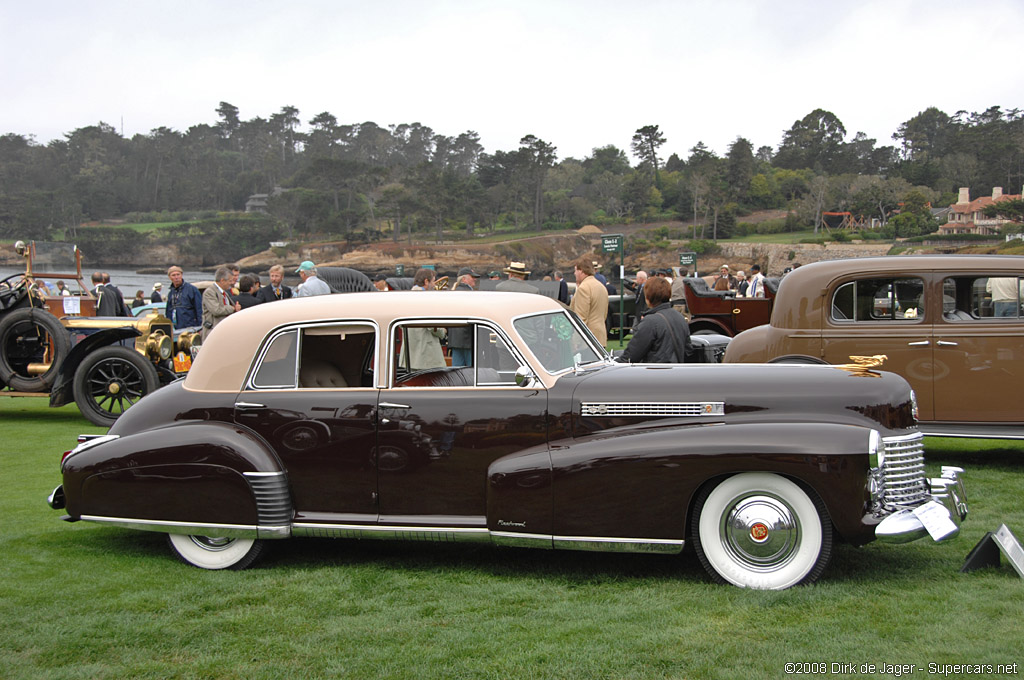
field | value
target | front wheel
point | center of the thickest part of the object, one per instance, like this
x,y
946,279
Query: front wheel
x,y
759,530
211,552
111,379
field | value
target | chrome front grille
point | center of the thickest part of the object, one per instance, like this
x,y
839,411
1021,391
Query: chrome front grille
x,y
273,502
902,472
651,408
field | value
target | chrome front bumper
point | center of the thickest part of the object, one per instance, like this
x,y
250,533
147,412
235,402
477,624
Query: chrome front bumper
x,y
944,512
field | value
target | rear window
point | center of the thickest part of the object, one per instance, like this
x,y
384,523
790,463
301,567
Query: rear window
x,y
879,300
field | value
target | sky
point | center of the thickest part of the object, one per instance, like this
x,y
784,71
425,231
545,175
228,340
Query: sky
x,y
576,74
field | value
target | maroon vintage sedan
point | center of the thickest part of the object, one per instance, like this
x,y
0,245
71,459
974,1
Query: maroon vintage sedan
x,y
340,416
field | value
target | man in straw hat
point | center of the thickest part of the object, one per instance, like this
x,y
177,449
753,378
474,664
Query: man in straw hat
x,y
516,282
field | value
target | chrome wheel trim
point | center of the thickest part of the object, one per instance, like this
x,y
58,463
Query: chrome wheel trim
x,y
761,531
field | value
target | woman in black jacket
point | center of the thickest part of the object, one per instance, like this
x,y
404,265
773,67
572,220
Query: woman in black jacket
x,y
662,337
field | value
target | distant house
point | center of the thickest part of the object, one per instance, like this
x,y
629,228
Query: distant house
x,y
257,203
968,217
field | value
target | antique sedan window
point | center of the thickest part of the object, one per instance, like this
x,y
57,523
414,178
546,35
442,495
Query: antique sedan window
x,y
556,342
454,355
329,356
336,356
277,365
882,299
982,297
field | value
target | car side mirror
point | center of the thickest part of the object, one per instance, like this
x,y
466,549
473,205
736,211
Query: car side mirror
x,y
524,376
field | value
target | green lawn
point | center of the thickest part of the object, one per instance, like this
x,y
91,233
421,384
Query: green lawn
x,y
86,601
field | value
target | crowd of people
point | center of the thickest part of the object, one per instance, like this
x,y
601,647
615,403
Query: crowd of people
x,y
660,332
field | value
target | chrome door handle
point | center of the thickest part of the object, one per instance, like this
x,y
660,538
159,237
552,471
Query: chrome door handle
x,y
919,343
248,406
947,343
387,404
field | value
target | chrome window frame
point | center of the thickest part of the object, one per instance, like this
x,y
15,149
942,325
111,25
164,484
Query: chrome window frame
x,y
298,328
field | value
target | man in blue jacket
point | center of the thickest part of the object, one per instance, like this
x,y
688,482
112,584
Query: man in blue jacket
x,y
184,301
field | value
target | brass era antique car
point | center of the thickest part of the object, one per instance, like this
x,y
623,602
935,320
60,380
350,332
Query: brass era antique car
x,y
302,418
952,325
55,345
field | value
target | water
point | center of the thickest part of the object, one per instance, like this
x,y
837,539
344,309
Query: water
x,y
125,279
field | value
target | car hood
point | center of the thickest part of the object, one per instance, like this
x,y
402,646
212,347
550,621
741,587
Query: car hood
x,y
617,396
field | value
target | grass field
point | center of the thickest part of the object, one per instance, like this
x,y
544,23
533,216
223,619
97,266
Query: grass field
x,y
85,601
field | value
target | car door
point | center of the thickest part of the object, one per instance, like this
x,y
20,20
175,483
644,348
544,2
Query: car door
x,y
311,396
885,315
979,348
441,428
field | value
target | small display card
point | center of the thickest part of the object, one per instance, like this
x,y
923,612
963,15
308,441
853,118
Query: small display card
x,y
72,305
936,520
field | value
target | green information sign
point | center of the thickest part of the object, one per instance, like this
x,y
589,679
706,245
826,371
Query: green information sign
x,y
612,243
399,270
687,259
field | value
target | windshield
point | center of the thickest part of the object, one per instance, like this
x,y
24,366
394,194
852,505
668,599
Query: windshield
x,y
556,341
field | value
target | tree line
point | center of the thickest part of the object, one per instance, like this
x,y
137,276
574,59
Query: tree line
x,y
363,181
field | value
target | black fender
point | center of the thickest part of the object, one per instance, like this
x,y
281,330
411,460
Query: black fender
x,y
194,473
519,492
641,482
63,386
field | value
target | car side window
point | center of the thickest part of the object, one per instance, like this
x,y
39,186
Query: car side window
x,y
881,299
454,355
1003,295
277,365
336,356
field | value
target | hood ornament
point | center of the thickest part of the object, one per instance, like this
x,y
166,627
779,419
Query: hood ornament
x,y
862,365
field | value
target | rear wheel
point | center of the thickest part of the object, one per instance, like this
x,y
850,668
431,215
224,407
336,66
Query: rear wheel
x,y
111,379
33,343
760,530
212,552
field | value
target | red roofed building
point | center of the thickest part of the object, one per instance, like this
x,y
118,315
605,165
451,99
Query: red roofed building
x,y
968,217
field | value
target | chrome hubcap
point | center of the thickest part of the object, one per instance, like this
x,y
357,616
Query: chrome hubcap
x,y
212,543
760,531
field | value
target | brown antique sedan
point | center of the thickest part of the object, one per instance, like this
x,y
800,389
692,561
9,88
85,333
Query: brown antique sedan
x,y
317,417
952,325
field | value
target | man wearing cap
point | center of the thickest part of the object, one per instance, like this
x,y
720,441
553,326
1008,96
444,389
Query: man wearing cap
x,y
311,283
724,280
591,300
184,301
460,338
516,281
156,296
276,290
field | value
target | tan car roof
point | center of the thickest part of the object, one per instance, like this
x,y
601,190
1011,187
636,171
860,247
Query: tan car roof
x,y
228,351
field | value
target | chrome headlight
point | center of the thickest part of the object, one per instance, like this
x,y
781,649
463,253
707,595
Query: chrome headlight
x,y
876,449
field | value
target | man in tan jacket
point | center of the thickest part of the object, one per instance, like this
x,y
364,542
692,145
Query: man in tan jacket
x,y
590,301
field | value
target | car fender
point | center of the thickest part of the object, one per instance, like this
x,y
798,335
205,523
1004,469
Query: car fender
x,y
708,323
647,477
63,385
519,492
150,480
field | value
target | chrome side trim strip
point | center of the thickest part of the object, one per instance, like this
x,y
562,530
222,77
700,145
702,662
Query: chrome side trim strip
x,y
653,408
607,544
194,528
514,539
401,533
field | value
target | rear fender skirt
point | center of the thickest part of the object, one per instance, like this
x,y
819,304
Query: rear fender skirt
x,y
629,483
209,474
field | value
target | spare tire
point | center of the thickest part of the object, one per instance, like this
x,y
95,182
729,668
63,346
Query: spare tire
x,y
31,336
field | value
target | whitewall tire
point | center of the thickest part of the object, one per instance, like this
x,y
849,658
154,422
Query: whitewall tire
x,y
760,530
207,552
